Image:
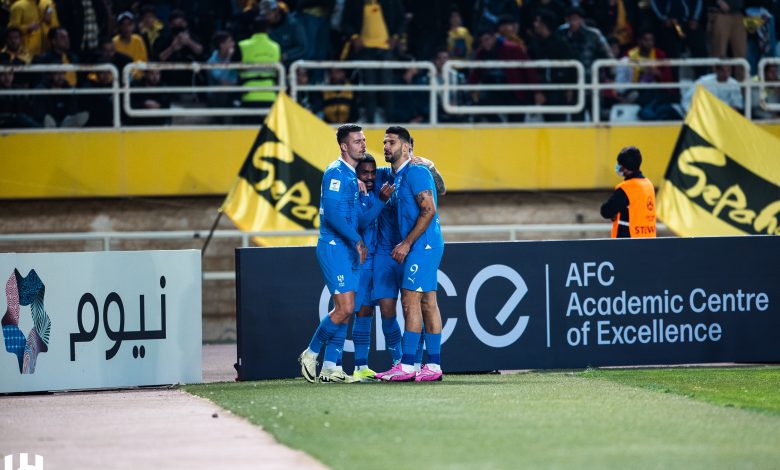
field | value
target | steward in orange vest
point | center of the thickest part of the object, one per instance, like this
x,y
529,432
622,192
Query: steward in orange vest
x,y
632,206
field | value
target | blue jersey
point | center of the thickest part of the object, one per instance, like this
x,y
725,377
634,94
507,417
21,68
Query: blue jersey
x,y
339,205
369,233
388,235
411,180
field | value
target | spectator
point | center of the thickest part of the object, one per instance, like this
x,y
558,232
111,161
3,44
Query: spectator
x,y
770,94
258,49
127,42
14,50
530,10
100,106
314,17
285,31
761,35
147,100
107,54
177,45
409,106
14,109
490,48
427,26
310,100
49,17
373,28
86,22
678,27
150,28
59,53
614,18
488,12
655,103
721,84
459,40
727,31
456,98
60,110
224,51
546,44
338,106
33,22
509,29
587,43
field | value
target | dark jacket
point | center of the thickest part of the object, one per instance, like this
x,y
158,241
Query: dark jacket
x,y
71,15
291,37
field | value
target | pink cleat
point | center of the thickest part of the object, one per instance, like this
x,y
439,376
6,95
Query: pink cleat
x,y
397,374
428,375
380,374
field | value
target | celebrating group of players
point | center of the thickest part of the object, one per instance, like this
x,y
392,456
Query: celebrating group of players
x,y
379,233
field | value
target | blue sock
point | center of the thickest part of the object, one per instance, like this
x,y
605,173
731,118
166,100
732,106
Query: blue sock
x,y
324,332
418,357
433,344
410,344
336,345
361,335
392,334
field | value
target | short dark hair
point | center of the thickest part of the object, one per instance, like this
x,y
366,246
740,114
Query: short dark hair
x,y
548,18
506,19
53,33
575,11
259,25
630,158
401,132
368,159
218,38
344,130
176,14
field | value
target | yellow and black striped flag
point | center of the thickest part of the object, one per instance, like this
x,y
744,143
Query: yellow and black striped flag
x,y
724,175
278,187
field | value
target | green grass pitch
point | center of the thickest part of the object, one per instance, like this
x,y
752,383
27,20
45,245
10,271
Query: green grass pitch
x,y
618,418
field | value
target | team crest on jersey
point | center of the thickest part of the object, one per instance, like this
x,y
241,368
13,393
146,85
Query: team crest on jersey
x,y
340,278
335,185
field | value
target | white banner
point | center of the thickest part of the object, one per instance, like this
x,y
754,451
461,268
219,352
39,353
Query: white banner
x,y
100,320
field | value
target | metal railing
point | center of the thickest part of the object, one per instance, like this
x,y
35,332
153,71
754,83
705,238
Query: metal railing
x,y
509,232
451,68
597,86
67,68
197,67
440,90
762,82
430,87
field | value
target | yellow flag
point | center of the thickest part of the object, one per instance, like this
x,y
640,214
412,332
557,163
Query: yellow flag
x,y
724,175
278,186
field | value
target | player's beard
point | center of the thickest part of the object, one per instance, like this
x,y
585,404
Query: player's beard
x,y
393,157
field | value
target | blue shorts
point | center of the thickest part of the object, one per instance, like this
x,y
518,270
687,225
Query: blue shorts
x,y
364,296
339,265
421,268
387,276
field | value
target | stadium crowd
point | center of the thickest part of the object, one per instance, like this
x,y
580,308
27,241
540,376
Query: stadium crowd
x,y
119,32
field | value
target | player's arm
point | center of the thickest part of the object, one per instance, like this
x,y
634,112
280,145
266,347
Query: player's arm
x,y
615,203
441,190
427,208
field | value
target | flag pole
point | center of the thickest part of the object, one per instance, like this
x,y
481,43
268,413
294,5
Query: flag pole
x,y
211,234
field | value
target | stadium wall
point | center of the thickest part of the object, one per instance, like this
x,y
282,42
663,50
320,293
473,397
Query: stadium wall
x,y
181,162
